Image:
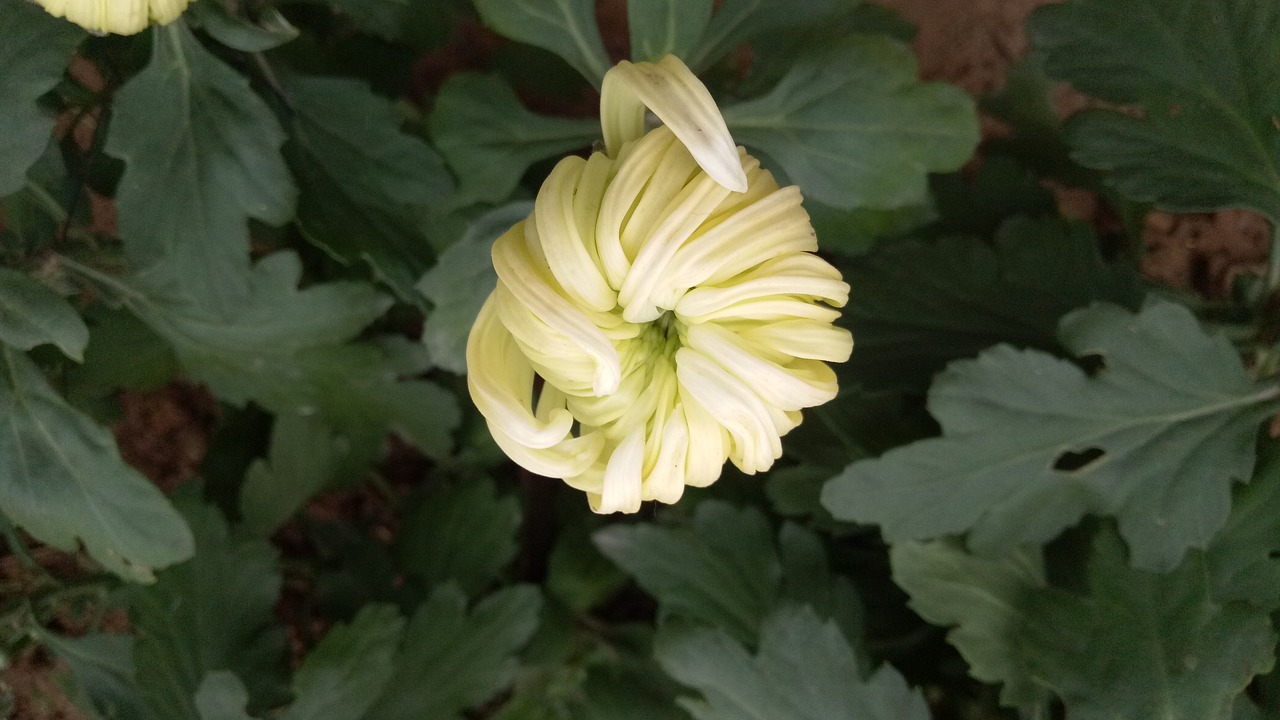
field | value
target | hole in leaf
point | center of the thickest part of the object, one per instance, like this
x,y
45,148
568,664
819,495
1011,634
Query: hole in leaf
x,y
1092,363
1077,461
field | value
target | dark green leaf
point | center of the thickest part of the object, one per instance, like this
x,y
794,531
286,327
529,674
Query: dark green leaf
x,y
123,354
35,48
1198,83
221,696
31,314
303,458
853,127
62,480
459,283
1031,443
565,27
215,612
920,305
577,574
102,665
805,670
344,675
739,21
662,27
203,156
463,532
366,187
1137,645
287,350
983,601
270,30
451,659
1245,557
723,572
490,139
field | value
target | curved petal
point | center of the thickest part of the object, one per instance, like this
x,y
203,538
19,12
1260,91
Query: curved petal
x,y
622,489
671,90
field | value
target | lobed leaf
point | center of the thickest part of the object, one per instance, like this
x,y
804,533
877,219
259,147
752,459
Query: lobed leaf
x,y
853,127
724,571
1135,644
460,282
302,459
921,305
1198,88
346,673
490,139
451,660
288,350
366,188
203,156
214,612
804,670
666,27
565,27
35,48
1032,443
464,533
31,314
62,480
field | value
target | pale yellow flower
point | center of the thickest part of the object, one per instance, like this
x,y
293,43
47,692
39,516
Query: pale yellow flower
x,y
122,17
660,311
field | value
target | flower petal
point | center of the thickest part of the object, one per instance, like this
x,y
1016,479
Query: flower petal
x,y
556,230
520,275
671,90
622,490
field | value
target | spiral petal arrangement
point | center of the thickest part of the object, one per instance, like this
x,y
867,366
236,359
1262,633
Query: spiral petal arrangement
x,y
660,311
122,17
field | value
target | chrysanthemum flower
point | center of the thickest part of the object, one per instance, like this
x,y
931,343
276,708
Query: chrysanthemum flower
x,y
122,17
660,311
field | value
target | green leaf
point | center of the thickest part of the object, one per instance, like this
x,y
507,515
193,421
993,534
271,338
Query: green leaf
x,y
31,314
287,350
1135,645
565,27
62,480
1199,86
303,458
463,532
102,665
805,670
1245,557
578,575
451,660
853,127
920,305
203,156
1031,443
460,282
739,21
344,675
270,29
215,612
490,139
724,571
662,27
35,48
366,187
123,354
221,696
981,600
